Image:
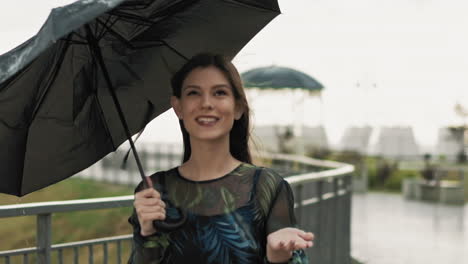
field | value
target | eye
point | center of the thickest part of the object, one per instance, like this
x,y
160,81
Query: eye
x,y
220,92
191,92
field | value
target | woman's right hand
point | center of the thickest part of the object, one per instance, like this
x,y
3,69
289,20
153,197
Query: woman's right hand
x,y
149,207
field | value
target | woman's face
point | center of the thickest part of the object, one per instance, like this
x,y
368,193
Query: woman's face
x,y
207,105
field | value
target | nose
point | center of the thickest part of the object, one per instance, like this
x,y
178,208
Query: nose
x,y
207,102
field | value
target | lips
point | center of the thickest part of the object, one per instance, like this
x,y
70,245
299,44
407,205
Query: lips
x,y
207,120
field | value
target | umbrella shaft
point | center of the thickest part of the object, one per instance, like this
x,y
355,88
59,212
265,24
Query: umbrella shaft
x,y
98,55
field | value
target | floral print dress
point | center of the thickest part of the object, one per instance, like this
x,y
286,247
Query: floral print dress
x,y
228,218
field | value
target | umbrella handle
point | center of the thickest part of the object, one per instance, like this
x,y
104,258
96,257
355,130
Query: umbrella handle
x,y
169,224
175,216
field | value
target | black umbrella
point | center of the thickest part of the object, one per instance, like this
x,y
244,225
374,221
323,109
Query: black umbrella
x,y
97,72
57,115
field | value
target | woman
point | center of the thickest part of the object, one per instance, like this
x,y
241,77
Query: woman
x,y
236,212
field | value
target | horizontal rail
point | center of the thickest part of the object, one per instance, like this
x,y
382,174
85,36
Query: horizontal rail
x,y
16,252
125,201
89,242
336,169
65,206
326,196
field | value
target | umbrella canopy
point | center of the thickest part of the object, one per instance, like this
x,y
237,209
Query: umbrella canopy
x,y
66,92
275,77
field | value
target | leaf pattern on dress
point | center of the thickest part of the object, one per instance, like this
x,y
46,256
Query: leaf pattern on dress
x,y
229,200
266,190
227,219
192,195
226,235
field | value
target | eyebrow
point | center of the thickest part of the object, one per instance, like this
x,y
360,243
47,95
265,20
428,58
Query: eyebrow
x,y
212,87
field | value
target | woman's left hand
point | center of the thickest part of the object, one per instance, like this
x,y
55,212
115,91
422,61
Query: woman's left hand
x,y
281,243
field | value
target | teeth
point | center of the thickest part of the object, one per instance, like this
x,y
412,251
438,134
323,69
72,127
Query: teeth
x,y
206,119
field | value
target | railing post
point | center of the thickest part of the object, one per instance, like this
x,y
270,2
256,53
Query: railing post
x,y
44,238
348,206
299,204
335,222
464,182
320,245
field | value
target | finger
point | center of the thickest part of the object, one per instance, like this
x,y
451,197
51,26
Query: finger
x,y
150,202
289,245
301,245
152,216
308,244
145,202
282,244
149,210
308,236
147,193
293,245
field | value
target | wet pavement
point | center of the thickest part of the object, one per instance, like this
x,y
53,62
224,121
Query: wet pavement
x,y
386,229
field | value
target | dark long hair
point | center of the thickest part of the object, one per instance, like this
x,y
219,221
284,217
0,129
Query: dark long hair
x,y
239,135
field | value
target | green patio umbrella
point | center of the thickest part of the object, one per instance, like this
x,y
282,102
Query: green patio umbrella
x,y
277,78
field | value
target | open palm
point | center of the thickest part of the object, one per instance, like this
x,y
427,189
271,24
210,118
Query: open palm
x,y
281,243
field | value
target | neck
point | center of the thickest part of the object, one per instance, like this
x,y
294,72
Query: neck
x,y
208,160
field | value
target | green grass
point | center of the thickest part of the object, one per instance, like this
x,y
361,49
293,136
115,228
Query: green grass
x,y
67,227
73,188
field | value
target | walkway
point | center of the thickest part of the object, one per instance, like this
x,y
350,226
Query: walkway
x,y
387,229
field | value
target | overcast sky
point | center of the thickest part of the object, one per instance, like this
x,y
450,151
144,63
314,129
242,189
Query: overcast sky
x,y
410,58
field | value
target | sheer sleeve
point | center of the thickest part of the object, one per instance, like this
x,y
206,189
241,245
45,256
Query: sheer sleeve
x,y
146,250
281,215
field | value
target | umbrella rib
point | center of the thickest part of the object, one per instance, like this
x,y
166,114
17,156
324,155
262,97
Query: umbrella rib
x,y
71,41
149,46
163,14
133,5
174,50
49,80
132,18
171,10
100,35
117,35
138,20
77,35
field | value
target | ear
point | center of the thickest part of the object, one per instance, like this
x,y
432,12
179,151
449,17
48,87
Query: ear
x,y
175,103
239,111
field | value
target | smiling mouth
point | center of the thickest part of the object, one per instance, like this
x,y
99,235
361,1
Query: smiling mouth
x,y
207,121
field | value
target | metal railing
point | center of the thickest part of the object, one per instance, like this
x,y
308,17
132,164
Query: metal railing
x,y
323,206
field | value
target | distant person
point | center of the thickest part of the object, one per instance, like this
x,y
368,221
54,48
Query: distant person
x,y
236,212
428,171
